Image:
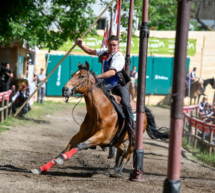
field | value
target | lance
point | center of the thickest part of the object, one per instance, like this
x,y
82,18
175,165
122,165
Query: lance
x,y
95,21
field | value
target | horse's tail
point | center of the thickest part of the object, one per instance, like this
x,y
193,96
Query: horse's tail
x,y
151,129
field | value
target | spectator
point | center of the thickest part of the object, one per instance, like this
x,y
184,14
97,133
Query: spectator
x,y
207,113
19,99
133,73
6,75
32,88
202,104
188,82
41,91
193,75
133,84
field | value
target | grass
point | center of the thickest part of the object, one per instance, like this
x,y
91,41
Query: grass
x,y
38,111
203,157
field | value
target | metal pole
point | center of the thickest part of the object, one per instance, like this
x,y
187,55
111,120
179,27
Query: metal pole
x,y
95,21
136,175
128,48
119,19
172,183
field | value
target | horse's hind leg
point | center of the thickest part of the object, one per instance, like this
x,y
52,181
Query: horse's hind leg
x,y
122,158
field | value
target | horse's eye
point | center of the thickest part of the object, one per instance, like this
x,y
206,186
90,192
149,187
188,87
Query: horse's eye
x,y
81,76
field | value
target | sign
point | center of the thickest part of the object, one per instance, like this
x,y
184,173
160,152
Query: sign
x,y
155,45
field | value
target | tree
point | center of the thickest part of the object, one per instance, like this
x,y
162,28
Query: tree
x,y
207,8
44,23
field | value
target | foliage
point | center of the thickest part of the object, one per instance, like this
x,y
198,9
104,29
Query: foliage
x,y
35,21
162,15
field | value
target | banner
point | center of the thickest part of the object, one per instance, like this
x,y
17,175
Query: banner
x,y
155,45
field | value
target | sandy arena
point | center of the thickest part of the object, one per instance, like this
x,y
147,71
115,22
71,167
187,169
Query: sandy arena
x,y
26,147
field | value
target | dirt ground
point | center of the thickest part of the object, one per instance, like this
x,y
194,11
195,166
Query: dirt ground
x,y
26,147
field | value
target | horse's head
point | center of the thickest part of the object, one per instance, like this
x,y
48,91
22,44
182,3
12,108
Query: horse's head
x,y
81,82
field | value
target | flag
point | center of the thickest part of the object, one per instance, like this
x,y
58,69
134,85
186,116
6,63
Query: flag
x,y
116,16
105,38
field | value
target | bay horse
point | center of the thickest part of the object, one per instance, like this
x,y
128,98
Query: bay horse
x,y
198,88
100,124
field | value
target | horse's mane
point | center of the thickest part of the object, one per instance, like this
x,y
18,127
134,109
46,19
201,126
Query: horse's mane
x,y
99,82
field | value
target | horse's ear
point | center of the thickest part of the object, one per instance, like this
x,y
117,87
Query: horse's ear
x,y
79,65
87,65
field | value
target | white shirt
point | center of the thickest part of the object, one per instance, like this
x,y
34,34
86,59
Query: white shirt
x,y
18,94
41,76
118,60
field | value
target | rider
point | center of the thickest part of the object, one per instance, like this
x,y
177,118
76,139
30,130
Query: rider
x,y
113,62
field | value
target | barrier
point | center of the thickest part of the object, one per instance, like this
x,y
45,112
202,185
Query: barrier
x,y
5,104
198,131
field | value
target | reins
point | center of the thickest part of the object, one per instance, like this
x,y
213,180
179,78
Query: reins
x,y
81,95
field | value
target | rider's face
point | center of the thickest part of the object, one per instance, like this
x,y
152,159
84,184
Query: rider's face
x,y
113,46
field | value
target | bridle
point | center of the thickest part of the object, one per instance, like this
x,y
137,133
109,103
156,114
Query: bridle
x,y
80,85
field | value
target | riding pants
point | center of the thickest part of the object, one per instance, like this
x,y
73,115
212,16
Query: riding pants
x,y
122,91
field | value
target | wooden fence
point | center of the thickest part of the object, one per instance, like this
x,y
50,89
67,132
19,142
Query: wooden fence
x,y
5,105
197,131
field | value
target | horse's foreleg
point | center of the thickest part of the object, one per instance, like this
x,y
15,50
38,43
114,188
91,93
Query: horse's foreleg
x,y
64,155
91,142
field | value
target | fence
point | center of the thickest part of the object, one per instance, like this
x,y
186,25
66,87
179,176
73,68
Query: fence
x,y
197,131
159,72
5,105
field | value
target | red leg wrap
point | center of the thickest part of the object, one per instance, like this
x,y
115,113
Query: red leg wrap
x,y
70,153
48,166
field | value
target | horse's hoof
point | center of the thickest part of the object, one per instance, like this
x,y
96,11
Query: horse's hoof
x,y
115,173
36,171
59,160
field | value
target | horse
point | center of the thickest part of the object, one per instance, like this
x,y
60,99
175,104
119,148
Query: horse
x,y
196,90
101,123
210,81
132,87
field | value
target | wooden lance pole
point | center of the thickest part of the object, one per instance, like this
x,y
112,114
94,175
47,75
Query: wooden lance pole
x,y
95,21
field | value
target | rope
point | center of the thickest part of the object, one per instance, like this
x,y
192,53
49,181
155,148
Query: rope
x,y
64,57
74,110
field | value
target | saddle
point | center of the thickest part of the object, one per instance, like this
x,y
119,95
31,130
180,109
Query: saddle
x,y
132,102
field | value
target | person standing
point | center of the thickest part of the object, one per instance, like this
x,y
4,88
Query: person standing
x,y
41,90
7,75
193,75
133,73
188,82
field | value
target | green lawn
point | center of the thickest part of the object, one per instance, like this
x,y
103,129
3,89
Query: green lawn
x,y
203,157
38,111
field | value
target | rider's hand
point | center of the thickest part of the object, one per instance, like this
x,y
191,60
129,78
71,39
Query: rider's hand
x,y
79,41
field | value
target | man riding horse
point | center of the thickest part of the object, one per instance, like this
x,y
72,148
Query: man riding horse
x,y
113,63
